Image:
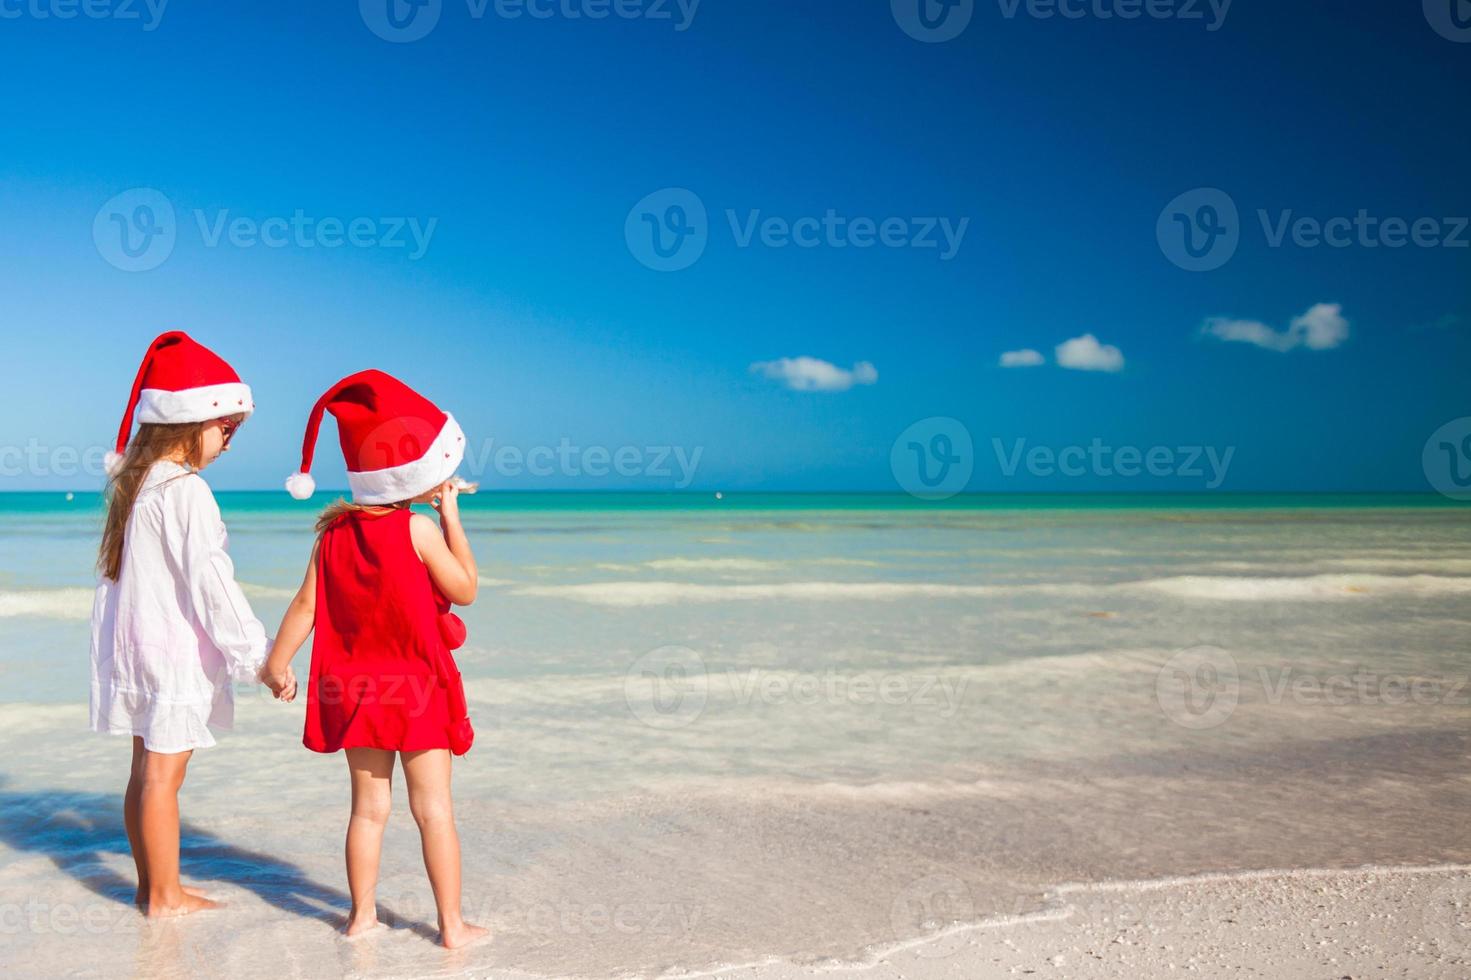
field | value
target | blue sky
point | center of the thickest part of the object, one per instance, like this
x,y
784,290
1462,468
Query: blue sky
x,y
519,146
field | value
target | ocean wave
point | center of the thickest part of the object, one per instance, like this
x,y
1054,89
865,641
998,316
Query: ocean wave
x,y
663,593
1305,588
47,603
1216,588
728,565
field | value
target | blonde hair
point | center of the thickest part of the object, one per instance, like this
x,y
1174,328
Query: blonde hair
x,y
341,507
151,443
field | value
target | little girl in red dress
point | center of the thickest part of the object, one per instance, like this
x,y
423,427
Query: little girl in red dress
x,y
377,593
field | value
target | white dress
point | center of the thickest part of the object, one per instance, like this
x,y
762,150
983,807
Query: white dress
x,y
172,633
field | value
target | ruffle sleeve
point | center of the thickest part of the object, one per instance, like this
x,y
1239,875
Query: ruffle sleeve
x,y
197,543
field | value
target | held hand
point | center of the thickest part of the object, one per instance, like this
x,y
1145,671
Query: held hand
x,y
282,684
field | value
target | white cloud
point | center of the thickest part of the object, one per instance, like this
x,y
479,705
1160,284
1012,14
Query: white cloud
x,y
1085,353
813,374
1025,357
1321,328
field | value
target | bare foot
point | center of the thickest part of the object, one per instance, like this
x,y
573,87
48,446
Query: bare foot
x,y
461,935
359,924
163,908
140,898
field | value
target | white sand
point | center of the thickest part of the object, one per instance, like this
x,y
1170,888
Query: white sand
x,y
1323,925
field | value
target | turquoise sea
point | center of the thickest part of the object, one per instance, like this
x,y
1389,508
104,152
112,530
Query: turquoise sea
x,y
788,725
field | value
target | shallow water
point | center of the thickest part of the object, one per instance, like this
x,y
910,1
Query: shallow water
x,y
716,735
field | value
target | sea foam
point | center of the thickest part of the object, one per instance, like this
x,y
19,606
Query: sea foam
x,y
1305,588
47,603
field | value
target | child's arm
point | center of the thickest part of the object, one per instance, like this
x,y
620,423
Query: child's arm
x,y
447,554
195,537
295,627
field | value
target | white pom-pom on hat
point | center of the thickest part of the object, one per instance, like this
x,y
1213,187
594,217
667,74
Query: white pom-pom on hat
x,y
301,485
112,462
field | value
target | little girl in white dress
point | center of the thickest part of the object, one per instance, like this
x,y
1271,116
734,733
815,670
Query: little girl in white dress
x,y
171,629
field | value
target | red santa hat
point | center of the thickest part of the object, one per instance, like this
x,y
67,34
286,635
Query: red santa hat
x,y
397,443
180,380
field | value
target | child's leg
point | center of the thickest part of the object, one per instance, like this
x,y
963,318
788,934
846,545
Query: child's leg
x,y
131,820
428,776
158,833
372,796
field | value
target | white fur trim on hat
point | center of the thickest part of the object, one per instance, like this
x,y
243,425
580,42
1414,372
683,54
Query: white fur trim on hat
x,y
112,462
408,480
158,406
301,485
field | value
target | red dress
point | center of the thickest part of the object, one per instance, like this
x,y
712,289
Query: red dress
x,y
382,675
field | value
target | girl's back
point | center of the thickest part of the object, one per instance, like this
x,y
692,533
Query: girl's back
x,y
381,675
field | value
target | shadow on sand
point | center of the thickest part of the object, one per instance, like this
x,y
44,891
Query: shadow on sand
x,y
76,830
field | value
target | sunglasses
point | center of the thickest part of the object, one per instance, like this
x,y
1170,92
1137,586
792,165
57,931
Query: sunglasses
x,y
227,429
